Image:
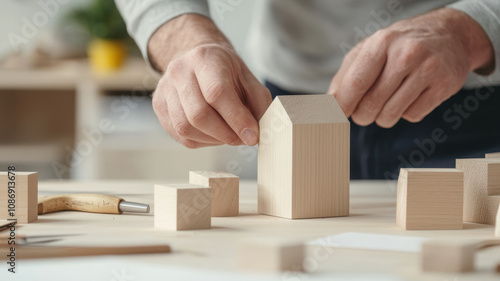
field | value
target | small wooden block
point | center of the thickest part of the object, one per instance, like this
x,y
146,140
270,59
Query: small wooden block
x,y
26,200
497,225
303,163
452,255
225,191
182,206
430,199
492,155
448,255
271,255
481,189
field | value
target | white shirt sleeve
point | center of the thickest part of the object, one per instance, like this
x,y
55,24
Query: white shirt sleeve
x,y
487,14
144,17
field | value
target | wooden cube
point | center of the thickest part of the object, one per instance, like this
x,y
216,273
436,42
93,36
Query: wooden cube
x,y
492,155
481,189
430,199
182,206
451,255
26,200
497,225
271,255
225,191
303,163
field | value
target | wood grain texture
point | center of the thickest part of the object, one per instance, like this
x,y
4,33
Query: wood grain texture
x,y
430,199
43,252
303,165
182,206
481,189
92,203
225,191
452,255
492,155
26,209
271,255
497,224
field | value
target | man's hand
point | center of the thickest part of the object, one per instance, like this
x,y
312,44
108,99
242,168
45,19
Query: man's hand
x,y
410,68
207,96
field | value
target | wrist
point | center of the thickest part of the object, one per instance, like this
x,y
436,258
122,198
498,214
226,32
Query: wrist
x,y
477,42
180,35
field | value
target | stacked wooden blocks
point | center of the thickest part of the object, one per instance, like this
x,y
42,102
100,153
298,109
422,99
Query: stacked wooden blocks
x,y
303,163
225,191
182,206
271,255
25,208
430,199
191,206
481,189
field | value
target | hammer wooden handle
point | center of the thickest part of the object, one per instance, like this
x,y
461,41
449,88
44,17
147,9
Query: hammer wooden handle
x,y
93,203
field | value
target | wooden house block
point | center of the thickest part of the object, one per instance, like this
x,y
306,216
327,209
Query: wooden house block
x,y
182,206
492,155
481,189
271,255
430,199
225,191
303,164
26,196
452,255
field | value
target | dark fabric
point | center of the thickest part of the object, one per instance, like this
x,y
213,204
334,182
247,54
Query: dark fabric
x,y
465,126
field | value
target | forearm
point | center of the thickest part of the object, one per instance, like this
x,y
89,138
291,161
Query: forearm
x,y
144,17
485,14
474,38
180,35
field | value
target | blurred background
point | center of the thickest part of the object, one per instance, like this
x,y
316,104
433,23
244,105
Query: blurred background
x,y
75,95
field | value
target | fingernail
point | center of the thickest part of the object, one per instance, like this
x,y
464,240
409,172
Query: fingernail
x,y
249,137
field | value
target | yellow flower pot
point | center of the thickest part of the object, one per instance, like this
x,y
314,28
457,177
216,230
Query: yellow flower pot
x,y
106,55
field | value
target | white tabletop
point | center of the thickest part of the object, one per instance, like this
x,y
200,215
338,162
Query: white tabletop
x,y
212,254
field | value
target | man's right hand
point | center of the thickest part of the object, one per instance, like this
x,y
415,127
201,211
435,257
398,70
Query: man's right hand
x,y
207,95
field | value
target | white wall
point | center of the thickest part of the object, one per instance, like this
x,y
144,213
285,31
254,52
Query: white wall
x,y
24,22
30,20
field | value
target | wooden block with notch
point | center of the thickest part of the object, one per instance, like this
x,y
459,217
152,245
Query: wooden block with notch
x,y
481,189
271,255
492,155
452,255
430,199
26,196
303,163
182,206
225,191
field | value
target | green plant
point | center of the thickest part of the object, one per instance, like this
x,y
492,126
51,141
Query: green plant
x,y
101,19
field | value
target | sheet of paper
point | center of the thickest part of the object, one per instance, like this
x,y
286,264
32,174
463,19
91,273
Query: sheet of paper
x,y
368,241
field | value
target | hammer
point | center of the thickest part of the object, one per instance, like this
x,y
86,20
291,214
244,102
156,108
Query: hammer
x,y
91,203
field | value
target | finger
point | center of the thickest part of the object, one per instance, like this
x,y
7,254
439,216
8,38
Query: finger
x,y
218,89
386,85
398,103
161,109
339,76
202,116
422,106
181,125
361,75
257,97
